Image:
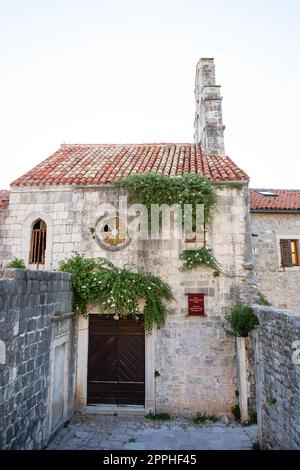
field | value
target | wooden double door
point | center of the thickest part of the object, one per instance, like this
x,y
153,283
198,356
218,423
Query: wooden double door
x,y
116,361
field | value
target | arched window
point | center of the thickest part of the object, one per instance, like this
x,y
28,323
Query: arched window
x,y
38,242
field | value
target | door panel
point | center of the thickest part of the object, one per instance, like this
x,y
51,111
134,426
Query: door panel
x,y
116,361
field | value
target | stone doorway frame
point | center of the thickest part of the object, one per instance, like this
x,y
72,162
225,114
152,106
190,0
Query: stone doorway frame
x,y
82,366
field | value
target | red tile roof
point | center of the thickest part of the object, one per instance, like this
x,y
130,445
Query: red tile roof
x,y
4,199
103,163
284,199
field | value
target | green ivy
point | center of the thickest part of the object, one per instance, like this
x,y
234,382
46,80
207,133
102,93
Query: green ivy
x,y
99,281
202,257
154,188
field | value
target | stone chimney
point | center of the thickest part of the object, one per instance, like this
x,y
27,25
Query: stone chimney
x,y
209,128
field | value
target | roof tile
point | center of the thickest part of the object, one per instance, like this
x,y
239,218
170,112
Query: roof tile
x,y
284,199
4,199
76,164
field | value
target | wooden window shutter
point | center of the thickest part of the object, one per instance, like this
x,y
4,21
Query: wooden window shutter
x,y
38,243
286,253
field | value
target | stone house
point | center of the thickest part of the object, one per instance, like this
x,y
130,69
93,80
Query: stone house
x,y
275,220
50,214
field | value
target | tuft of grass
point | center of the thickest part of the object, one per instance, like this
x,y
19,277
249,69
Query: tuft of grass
x,y
158,416
262,299
252,418
58,313
235,184
256,445
16,263
235,410
271,401
202,419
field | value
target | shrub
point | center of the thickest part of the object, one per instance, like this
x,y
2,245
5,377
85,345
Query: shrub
x,y
16,263
242,320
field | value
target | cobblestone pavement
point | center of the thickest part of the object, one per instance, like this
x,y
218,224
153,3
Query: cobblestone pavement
x,y
139,433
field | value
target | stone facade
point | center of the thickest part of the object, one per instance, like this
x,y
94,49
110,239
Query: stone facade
x,y
37,351
278,377
195,357
280,285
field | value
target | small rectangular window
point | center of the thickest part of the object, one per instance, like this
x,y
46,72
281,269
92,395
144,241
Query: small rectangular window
x,y
289,253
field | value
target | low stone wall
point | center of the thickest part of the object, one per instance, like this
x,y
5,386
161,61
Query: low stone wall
x,y
37,356
278,377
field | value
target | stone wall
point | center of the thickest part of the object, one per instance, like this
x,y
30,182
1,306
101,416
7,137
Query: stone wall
x,y
280,285
37,351
278,378
5,247
195,357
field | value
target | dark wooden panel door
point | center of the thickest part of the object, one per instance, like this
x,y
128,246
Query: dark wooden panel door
x,y
116,361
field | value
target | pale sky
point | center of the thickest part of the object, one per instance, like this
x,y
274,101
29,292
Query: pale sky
x,y
112,71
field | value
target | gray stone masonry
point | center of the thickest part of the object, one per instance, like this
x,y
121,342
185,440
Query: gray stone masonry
x,y
94,432
209,128
278,378
28,301
5,249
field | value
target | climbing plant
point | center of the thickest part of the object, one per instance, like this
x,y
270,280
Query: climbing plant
x,y
155,188
202,257
99,281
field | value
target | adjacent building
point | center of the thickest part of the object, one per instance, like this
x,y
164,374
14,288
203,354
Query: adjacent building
x,y
275,221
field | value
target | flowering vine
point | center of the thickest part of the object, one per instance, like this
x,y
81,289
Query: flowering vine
x,y
202,257
117,290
